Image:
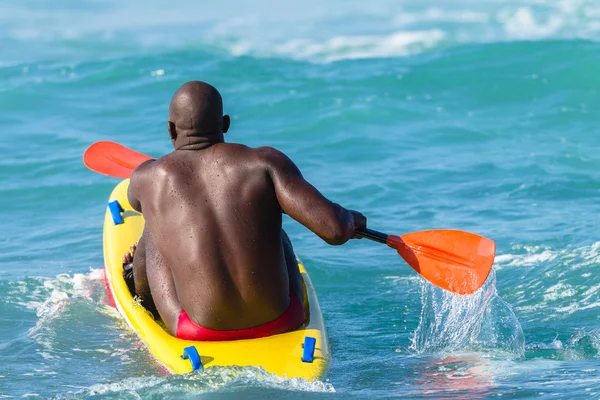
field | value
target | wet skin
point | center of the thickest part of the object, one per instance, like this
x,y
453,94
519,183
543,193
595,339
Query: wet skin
x,y
213,242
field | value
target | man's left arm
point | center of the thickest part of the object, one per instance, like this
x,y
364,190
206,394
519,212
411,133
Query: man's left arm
x,y
136,183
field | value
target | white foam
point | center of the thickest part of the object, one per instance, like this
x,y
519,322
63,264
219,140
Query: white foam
x,y
436,14
127,385
208,380
559,291
523,24
576,306
575,258
520,260
395,279
591,291
337,48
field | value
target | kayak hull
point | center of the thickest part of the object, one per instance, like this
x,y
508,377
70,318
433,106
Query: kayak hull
x,y
279,354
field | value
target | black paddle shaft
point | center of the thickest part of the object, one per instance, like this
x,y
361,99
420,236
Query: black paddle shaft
x,y
371,235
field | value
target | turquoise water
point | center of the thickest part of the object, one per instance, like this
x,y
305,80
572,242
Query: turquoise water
x,y
464,114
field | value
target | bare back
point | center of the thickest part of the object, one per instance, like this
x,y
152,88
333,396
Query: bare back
x,y
215,218
213,245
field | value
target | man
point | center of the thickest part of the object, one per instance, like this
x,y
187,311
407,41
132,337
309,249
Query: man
x,y
213,257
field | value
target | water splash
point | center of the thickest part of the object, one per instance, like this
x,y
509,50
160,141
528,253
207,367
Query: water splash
x,y
59,292
481,322
42,293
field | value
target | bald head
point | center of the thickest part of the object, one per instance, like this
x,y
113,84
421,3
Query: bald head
x,y
196,110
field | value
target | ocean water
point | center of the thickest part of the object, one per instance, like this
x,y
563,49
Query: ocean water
x,y
475,115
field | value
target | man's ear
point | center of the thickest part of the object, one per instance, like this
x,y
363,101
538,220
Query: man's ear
x,y
172,131
226,123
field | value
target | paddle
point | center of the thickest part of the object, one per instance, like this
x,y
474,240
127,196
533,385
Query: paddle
x,y
112,159
457,261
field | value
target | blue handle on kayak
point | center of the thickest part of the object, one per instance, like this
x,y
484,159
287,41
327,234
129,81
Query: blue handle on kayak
x,y
308,355
115,211
190,353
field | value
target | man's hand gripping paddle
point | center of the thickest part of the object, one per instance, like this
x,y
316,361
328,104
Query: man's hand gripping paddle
x,y
457,261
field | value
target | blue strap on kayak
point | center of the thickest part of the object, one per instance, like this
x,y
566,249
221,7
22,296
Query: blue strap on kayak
x,y
308,355
190,353
115,211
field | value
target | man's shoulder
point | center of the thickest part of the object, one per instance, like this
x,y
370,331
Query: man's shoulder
x,y
229,146
263,158
273,157
269,154
267,151
153,169
264,155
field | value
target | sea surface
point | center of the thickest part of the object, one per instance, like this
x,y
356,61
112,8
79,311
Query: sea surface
x,y
474,115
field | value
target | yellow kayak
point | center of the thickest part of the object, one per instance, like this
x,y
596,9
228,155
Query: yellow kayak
x,y
303,353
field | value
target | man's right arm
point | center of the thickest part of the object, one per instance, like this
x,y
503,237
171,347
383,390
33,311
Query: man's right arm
x,y
304,203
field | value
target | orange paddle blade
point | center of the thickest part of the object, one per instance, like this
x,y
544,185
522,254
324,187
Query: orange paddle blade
x,y
112,159
453,260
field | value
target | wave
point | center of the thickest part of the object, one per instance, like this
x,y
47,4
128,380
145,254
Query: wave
x,y
582,345
528,255
563,282
337,48
447,27
317,32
